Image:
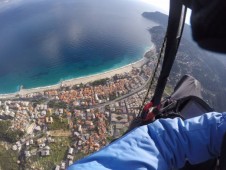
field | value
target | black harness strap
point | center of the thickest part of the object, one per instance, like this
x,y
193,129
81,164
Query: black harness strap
x,y
174,31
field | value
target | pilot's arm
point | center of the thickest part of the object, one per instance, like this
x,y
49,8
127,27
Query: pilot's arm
x,y
162,145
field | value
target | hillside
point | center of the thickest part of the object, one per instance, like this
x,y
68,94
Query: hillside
x,y
192,60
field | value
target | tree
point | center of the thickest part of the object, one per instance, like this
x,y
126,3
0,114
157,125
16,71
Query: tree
x,y
58,124
7,134
57,104
100,82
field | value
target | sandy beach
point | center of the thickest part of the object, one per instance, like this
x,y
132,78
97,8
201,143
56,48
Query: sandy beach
x,y
106,74
79,80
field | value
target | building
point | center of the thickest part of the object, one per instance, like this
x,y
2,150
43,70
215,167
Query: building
x,y
45,152
70,157
27,153
70,151
62,165
57,167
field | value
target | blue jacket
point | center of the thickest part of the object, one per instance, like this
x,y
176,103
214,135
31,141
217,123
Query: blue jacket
x,y
162,145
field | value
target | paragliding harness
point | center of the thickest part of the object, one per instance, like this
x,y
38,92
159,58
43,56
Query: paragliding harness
x,y
186,100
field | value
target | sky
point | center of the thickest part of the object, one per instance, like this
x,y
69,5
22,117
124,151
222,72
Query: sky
x,y
163,5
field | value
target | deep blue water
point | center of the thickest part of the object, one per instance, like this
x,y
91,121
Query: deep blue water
x,y
43,42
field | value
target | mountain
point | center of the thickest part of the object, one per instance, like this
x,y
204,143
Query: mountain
x,y
162,19
192,60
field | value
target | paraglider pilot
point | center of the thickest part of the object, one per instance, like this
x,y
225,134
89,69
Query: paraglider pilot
x,y
172,143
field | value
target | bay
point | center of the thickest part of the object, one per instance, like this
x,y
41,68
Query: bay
x,y
43,42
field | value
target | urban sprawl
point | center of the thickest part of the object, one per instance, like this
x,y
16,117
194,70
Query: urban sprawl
x,y
53,128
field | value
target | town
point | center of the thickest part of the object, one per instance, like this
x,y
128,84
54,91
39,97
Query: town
x,y
54,128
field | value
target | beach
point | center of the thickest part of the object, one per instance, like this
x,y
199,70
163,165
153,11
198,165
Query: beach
x,y
85,79
48,48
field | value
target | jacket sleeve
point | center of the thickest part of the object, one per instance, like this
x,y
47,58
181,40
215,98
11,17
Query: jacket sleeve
x,y
162,145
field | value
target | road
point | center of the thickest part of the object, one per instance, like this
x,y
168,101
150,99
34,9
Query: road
x,y
123,97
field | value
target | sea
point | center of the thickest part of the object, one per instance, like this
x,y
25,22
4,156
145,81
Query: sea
x,y
43,42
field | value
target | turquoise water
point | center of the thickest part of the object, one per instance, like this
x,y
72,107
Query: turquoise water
x,y
43,42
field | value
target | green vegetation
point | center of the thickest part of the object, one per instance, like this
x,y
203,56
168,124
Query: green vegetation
x,y
58,123
71,107
107,108
168,90
8,159
38,101
100,82
110,138
79,155
119,118
123,130
67,88
57,104
77,86
112,96
58,152
7,134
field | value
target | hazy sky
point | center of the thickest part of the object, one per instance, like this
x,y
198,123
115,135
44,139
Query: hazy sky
x,y
164,6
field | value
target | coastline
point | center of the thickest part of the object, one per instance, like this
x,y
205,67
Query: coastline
x,y
84,79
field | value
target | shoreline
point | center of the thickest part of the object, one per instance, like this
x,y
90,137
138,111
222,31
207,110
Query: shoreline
x,y
84,79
